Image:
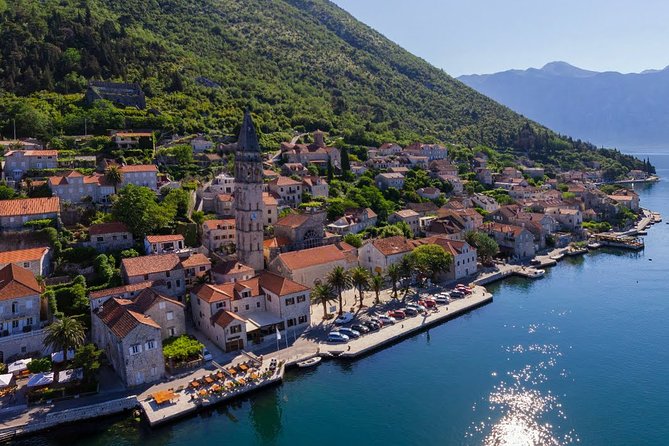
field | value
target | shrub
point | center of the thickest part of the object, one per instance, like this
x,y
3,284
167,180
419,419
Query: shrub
x,y
39,365
182,348
40,224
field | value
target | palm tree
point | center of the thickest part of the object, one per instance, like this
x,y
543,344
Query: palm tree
x,y
394,273
323,293
406,267
377,285
114,176
360,279
340,279
65,333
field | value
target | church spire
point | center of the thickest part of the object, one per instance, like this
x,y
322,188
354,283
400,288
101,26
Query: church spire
x,y
248,139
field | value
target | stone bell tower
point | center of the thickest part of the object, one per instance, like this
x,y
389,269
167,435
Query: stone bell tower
x,y
248,197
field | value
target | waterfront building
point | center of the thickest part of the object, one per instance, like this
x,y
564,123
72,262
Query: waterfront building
x,y
514,241
311,266
377,255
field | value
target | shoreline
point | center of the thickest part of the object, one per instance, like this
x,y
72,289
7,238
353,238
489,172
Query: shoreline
x,y
363,348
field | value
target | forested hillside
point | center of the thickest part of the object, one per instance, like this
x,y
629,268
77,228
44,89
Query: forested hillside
x,y
298,64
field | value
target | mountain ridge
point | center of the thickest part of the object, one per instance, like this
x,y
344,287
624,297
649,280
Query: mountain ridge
x,y
608,108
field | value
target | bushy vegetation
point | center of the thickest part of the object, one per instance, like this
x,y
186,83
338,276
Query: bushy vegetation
x,y
182,348
299,64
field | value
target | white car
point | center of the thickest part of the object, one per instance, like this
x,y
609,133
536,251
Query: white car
x,y
345,318
387,320
206,355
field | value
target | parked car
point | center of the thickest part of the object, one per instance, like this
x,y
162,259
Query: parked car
x,y
387,320
352,334
206,355
397,314
335,336
362,328
418,307
428,303
441,299
457,294
410,311
372,326
377,321
345,318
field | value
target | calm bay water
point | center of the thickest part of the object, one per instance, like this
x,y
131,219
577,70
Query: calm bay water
x,y
580,356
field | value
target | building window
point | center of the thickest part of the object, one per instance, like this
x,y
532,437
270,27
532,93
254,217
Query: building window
x,y
257,304
291,322
171,331
178,283
301,298
146,277
26,264
101,239
170,315
236,310
150,344
203,268
302,319
15,307
219,305
247,306
269,298
167,274
15,323
235,329
290,301
29,321
161,305
135,349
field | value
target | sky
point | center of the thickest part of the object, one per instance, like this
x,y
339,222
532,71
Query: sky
x,y
486,36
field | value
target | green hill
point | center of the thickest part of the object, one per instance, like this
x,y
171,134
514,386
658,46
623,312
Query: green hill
x,y
298,64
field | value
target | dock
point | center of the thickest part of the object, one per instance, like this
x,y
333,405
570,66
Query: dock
x,y
406,327
620,241
188,400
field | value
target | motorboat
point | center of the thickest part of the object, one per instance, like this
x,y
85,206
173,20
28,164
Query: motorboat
x,y
311,362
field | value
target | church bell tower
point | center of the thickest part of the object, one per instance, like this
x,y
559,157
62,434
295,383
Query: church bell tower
x,y
248,197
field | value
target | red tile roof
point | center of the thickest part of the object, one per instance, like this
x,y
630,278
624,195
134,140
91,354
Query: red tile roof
x,y
224,318
280,286
16,282
214,224
138,266
139,168
285,181
224,197
293,220
29,206
34,152
164,238
108,228
121,290
196,260
393,245
23,255
309,257
132,134
121,318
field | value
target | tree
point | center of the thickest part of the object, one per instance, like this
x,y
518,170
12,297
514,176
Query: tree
x,y
354,240
39,365
486,246
429,260
394,273
323,293
360,280
114,176
180,201
87,357
136,206
376,284
406,267
345,162
340,279
65,333
6,192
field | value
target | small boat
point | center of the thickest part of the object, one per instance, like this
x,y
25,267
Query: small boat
x,y
311,362
594,245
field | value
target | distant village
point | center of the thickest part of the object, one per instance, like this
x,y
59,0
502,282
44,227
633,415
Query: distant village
x,y
260,231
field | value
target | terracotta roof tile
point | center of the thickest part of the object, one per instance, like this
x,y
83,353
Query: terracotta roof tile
x,y
195,260
157,263
293,220
120,290
139,168
23,255
16,282
29,206
214,224
309,257
108,228
121,318
393,245
280,286
164,238
224,318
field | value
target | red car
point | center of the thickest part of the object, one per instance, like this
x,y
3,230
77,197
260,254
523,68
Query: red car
x,y
464,289
397,314
427,303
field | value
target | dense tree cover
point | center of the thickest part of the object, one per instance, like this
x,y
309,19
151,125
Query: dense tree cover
x,y
182,348
429,260
137,207
299,65
486,246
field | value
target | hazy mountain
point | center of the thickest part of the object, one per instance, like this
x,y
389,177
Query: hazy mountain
x,y
609,108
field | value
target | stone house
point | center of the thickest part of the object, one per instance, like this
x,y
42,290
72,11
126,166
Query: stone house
x,y
166,268
628,199
464,256
377,255
18,162
217,234
387,180
35,260
224,205
485,202
317,187
270,209
15,213
301,230
77,188
239,315
569,219
196,266
287,191
111,236
200,144
161,244
140,175
430,193
411,218
310,266
290,169
128,292
133,140
131,340
22,313
353,221
514,241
